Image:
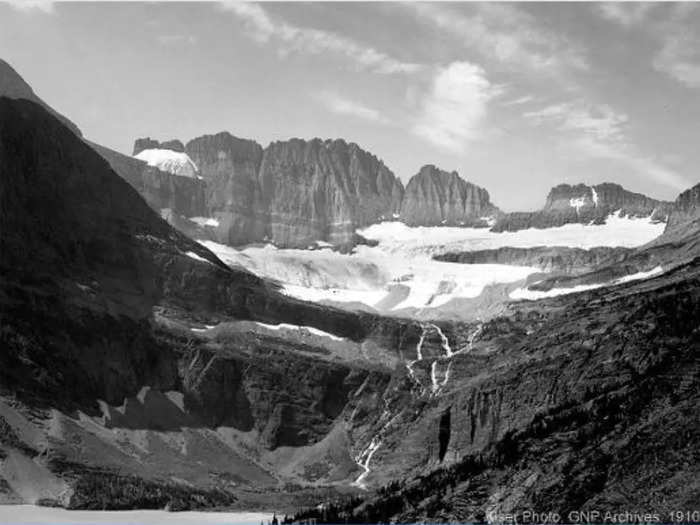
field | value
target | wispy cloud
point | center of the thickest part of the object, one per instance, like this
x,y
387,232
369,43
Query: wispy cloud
x,y
679,57
599,122
44,6
519,101
455,107
344,106
505,34
626,14
264,29
598,131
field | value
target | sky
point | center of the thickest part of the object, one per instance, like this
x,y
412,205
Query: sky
x,y
516,97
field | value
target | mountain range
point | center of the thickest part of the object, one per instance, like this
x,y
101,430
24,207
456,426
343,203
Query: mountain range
x,y
138,370
296,193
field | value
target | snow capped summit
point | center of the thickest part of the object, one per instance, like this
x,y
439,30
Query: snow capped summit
x,y
171,161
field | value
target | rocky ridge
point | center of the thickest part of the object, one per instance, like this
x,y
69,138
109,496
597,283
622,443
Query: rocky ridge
x,y
584,204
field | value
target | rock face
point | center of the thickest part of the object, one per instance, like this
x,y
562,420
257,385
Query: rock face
x,y
324,190
547,258
291,193
583,204
685,213
229,167
434,197
165,192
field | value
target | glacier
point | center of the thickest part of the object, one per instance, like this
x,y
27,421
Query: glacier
x,y
171,161
399,272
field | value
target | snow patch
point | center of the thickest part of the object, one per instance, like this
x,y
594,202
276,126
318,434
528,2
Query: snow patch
x,y
301,328
578,203
206,327
533,295
171,161
196,257
594,196
205,221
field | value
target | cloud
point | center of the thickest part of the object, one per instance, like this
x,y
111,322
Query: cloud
x,y
505,34
599,122
626,14
454,109
673,26
519,101
45,6
266,30
344,106
598,131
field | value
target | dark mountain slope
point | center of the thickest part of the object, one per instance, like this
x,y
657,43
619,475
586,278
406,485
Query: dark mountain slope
x,y
102,309
579,403
76,242
13,86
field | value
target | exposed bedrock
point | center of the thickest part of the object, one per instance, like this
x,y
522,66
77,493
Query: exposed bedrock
x,y
434,197
583,204
547,258
165,192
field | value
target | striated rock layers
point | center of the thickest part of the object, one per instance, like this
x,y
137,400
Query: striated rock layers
x,y
547,258
434,197
292,193
324,190
583,204
685,213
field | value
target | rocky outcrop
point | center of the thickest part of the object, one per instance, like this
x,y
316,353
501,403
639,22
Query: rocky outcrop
x,y
546,258
583,204
434,197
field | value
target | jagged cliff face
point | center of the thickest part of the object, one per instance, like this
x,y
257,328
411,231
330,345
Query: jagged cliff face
x,y
685,213
434,197
291,193
229,167
324,190
583,204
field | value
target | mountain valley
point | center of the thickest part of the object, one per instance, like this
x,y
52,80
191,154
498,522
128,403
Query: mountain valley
x,y
214,324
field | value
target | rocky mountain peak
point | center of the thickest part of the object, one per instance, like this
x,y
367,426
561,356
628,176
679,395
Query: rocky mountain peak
x,y
685,211
435,197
